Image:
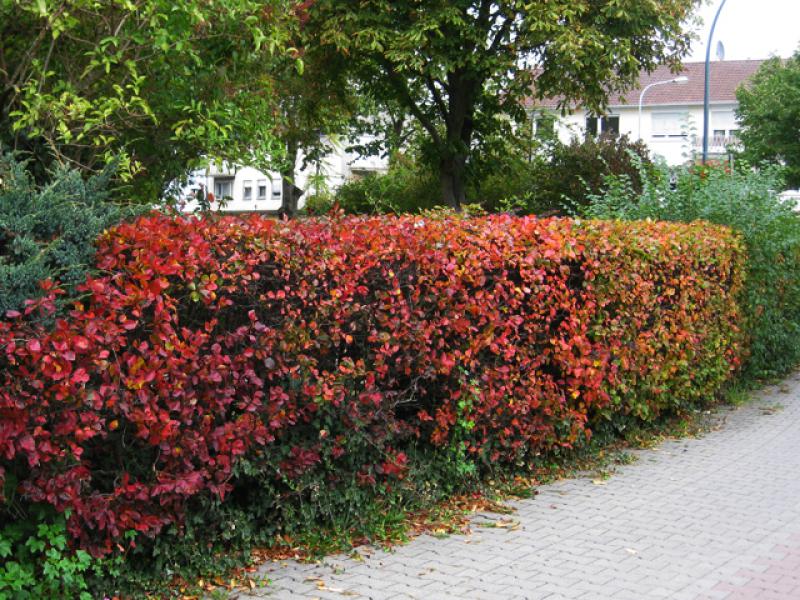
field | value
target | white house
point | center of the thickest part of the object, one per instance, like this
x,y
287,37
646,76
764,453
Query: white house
x,y
233,188
671,119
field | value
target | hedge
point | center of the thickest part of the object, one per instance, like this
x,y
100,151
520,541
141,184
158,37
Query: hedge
x,y
747,201
332,345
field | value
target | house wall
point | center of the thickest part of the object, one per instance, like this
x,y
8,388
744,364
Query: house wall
x,y
330,172
237,203
339,166
675,150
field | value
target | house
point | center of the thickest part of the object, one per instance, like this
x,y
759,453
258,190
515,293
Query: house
x,y
671,119
234,188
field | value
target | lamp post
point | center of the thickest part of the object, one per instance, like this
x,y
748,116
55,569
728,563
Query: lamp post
x,y
705,89
679,80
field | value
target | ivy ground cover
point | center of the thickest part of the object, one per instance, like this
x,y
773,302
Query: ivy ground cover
x,y
227,359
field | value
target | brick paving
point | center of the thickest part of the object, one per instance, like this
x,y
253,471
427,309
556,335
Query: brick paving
x,y
716,517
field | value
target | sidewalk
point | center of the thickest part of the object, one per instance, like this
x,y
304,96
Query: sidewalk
x,y
710,518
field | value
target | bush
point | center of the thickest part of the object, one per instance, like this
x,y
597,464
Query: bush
x,y
560,177
746,201
512,183
226,365
407,187
38,563
48,232
318,204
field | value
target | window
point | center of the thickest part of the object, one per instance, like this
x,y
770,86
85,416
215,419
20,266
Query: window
x,y
591,126
668,124
359,174
724,137
277,188
610,125
596,126
262,190
223,187
248,191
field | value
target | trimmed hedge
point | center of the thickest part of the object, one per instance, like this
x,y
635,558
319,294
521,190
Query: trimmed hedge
x,y
333,346
745,200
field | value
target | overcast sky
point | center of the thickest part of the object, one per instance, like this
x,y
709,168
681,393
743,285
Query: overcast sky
x,y
750,29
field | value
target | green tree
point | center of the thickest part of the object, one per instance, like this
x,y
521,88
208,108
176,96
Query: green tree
x,y
316,104
769,113
157,83
461,68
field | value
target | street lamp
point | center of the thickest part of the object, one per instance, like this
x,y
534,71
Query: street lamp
x,y
680,80
705,90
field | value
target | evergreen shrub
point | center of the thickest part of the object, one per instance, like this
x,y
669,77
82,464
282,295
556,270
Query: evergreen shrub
x,y
558,178
48,231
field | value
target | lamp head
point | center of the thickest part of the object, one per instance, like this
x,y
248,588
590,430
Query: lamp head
x,y
681,80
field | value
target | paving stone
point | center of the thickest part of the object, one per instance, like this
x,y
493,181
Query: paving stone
x,y
717,517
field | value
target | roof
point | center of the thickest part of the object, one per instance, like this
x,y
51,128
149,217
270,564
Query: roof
x,y
726,76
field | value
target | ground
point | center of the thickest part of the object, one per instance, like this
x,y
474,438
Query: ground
x,y
714,517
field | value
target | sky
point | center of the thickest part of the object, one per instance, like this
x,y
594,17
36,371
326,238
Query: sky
x,y
749,29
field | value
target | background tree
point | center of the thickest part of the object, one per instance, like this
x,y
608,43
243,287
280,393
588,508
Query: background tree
x,y
156,83
461,68
316,104
769,112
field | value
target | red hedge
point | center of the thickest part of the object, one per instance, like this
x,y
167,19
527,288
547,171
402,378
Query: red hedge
x,y
215,340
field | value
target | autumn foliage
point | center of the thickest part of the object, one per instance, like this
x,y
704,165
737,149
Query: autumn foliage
x,y
333,344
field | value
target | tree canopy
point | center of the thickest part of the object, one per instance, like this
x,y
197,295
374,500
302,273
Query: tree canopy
x,y
316,103
462,68
769,113
155,83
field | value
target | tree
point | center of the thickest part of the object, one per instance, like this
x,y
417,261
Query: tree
x,y
315,104
156,83
461,68
769,113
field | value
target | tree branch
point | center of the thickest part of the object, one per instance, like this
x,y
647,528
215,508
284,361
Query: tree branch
x,y
16,78
437,97
400,86
484,13
505,29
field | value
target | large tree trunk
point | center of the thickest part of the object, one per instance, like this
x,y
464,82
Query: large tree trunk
x,y
451,175
459,123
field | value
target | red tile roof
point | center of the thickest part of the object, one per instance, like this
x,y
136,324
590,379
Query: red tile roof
x,y
726,76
